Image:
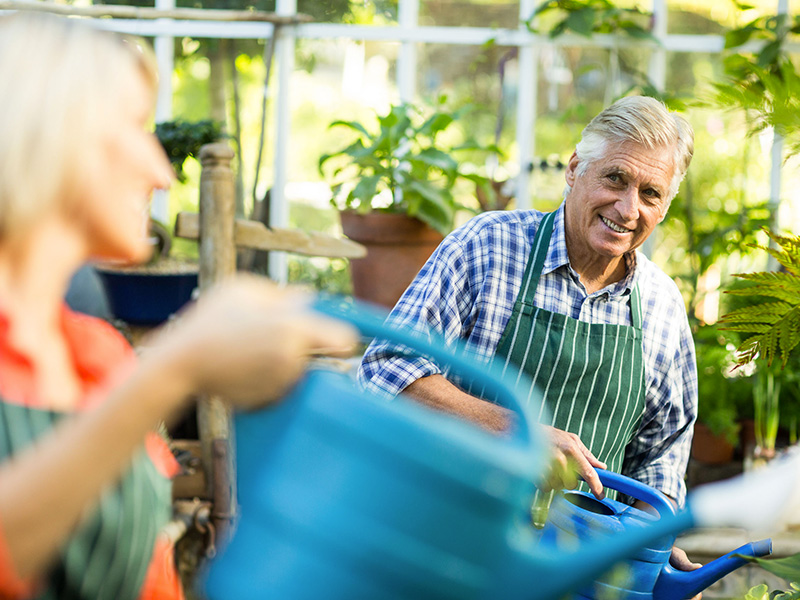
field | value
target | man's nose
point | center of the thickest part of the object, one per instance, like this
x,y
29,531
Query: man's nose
x,y
628,204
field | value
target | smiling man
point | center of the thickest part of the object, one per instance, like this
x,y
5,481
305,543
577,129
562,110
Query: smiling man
x,y
567,298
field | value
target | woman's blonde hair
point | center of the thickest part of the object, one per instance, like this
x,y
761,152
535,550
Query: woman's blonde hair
x,y
62,80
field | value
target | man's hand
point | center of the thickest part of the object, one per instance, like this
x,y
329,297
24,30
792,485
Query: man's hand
x,y
680,561
572,458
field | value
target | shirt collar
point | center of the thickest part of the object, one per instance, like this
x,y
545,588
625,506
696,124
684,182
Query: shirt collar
x,y
98,351
558,257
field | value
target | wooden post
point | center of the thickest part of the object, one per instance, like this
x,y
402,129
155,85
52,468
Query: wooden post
x,y
217,262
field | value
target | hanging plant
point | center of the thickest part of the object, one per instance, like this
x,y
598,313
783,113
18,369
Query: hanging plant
x,y
587,17
182,139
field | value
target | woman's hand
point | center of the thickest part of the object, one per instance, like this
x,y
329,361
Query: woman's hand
x,y
248,341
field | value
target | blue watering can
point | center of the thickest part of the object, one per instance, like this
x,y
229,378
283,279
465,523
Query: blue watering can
x,y
346,496
579,517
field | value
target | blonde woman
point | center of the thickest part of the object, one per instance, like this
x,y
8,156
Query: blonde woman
x,y
82,483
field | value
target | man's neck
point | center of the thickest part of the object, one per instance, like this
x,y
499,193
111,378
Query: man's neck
x,y
595,271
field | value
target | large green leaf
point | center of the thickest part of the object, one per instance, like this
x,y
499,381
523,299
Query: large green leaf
x,y
366,189
435,124
355,125
787,568
432,157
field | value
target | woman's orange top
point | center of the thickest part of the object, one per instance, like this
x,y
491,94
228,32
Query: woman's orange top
x,y
101,356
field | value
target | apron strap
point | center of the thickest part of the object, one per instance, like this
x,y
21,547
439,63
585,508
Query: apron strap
x,y
538,254
636,308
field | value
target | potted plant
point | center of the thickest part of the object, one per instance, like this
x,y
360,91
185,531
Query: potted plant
x,y
393,185
716,431
148,294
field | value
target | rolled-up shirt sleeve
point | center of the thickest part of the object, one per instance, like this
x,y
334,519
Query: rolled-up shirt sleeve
x,y
466,291
659,452
435,301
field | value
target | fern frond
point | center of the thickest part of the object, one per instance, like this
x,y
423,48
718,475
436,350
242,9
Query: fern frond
x,y
789,333
748,350
769,346
788,261
775,324
791,297
749,327
768,312
774,278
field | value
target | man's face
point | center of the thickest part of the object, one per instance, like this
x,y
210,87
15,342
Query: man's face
x,y
617,202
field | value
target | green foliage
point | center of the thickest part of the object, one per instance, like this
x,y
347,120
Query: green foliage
x,y
323,275
786,568
766,404
764,84
404,159
774,324
182,139
587,17
721,393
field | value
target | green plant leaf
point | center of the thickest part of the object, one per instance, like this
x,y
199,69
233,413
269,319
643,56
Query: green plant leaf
x,y
759,592
350,124
366,189
787,568
739,37
435,124
581,22
432,157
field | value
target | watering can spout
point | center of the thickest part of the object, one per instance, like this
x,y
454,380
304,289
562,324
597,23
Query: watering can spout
x,y
673,584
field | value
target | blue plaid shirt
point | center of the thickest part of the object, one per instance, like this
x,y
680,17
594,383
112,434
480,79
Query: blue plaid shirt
x,y
467,291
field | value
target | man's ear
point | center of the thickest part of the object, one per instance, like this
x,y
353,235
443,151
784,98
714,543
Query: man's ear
x,y
570,172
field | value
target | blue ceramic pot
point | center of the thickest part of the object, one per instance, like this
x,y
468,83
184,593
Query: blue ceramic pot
x,y
146,298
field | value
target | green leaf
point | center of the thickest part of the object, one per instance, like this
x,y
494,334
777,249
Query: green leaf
x,y
581,22
759,592
738,37
749,327
432,157
351,125
769,53
787,568
436,123
366,189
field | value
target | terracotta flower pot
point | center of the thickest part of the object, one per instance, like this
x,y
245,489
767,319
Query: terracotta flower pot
x,y
709,448
397,247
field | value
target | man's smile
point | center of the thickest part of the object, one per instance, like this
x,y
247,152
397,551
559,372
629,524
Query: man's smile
x,y
614,227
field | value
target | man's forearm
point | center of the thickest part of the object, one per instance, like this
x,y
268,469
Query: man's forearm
x,y
437,392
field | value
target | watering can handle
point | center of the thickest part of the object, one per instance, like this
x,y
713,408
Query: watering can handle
x,y
638,490
372,322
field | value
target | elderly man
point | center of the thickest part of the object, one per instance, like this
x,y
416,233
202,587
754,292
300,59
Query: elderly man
x,y
567,298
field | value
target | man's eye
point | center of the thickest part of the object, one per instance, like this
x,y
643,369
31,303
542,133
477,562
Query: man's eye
x,y
614,178
651,193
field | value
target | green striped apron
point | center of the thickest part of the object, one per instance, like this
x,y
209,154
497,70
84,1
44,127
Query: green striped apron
x,y
591,375
108,555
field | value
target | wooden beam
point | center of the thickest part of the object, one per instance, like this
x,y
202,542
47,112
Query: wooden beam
x,y
148,13
252,234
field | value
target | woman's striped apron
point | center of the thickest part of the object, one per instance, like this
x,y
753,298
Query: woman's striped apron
x,y
108,555
591,375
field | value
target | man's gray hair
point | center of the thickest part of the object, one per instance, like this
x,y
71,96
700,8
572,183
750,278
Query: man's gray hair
x,y
644,121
